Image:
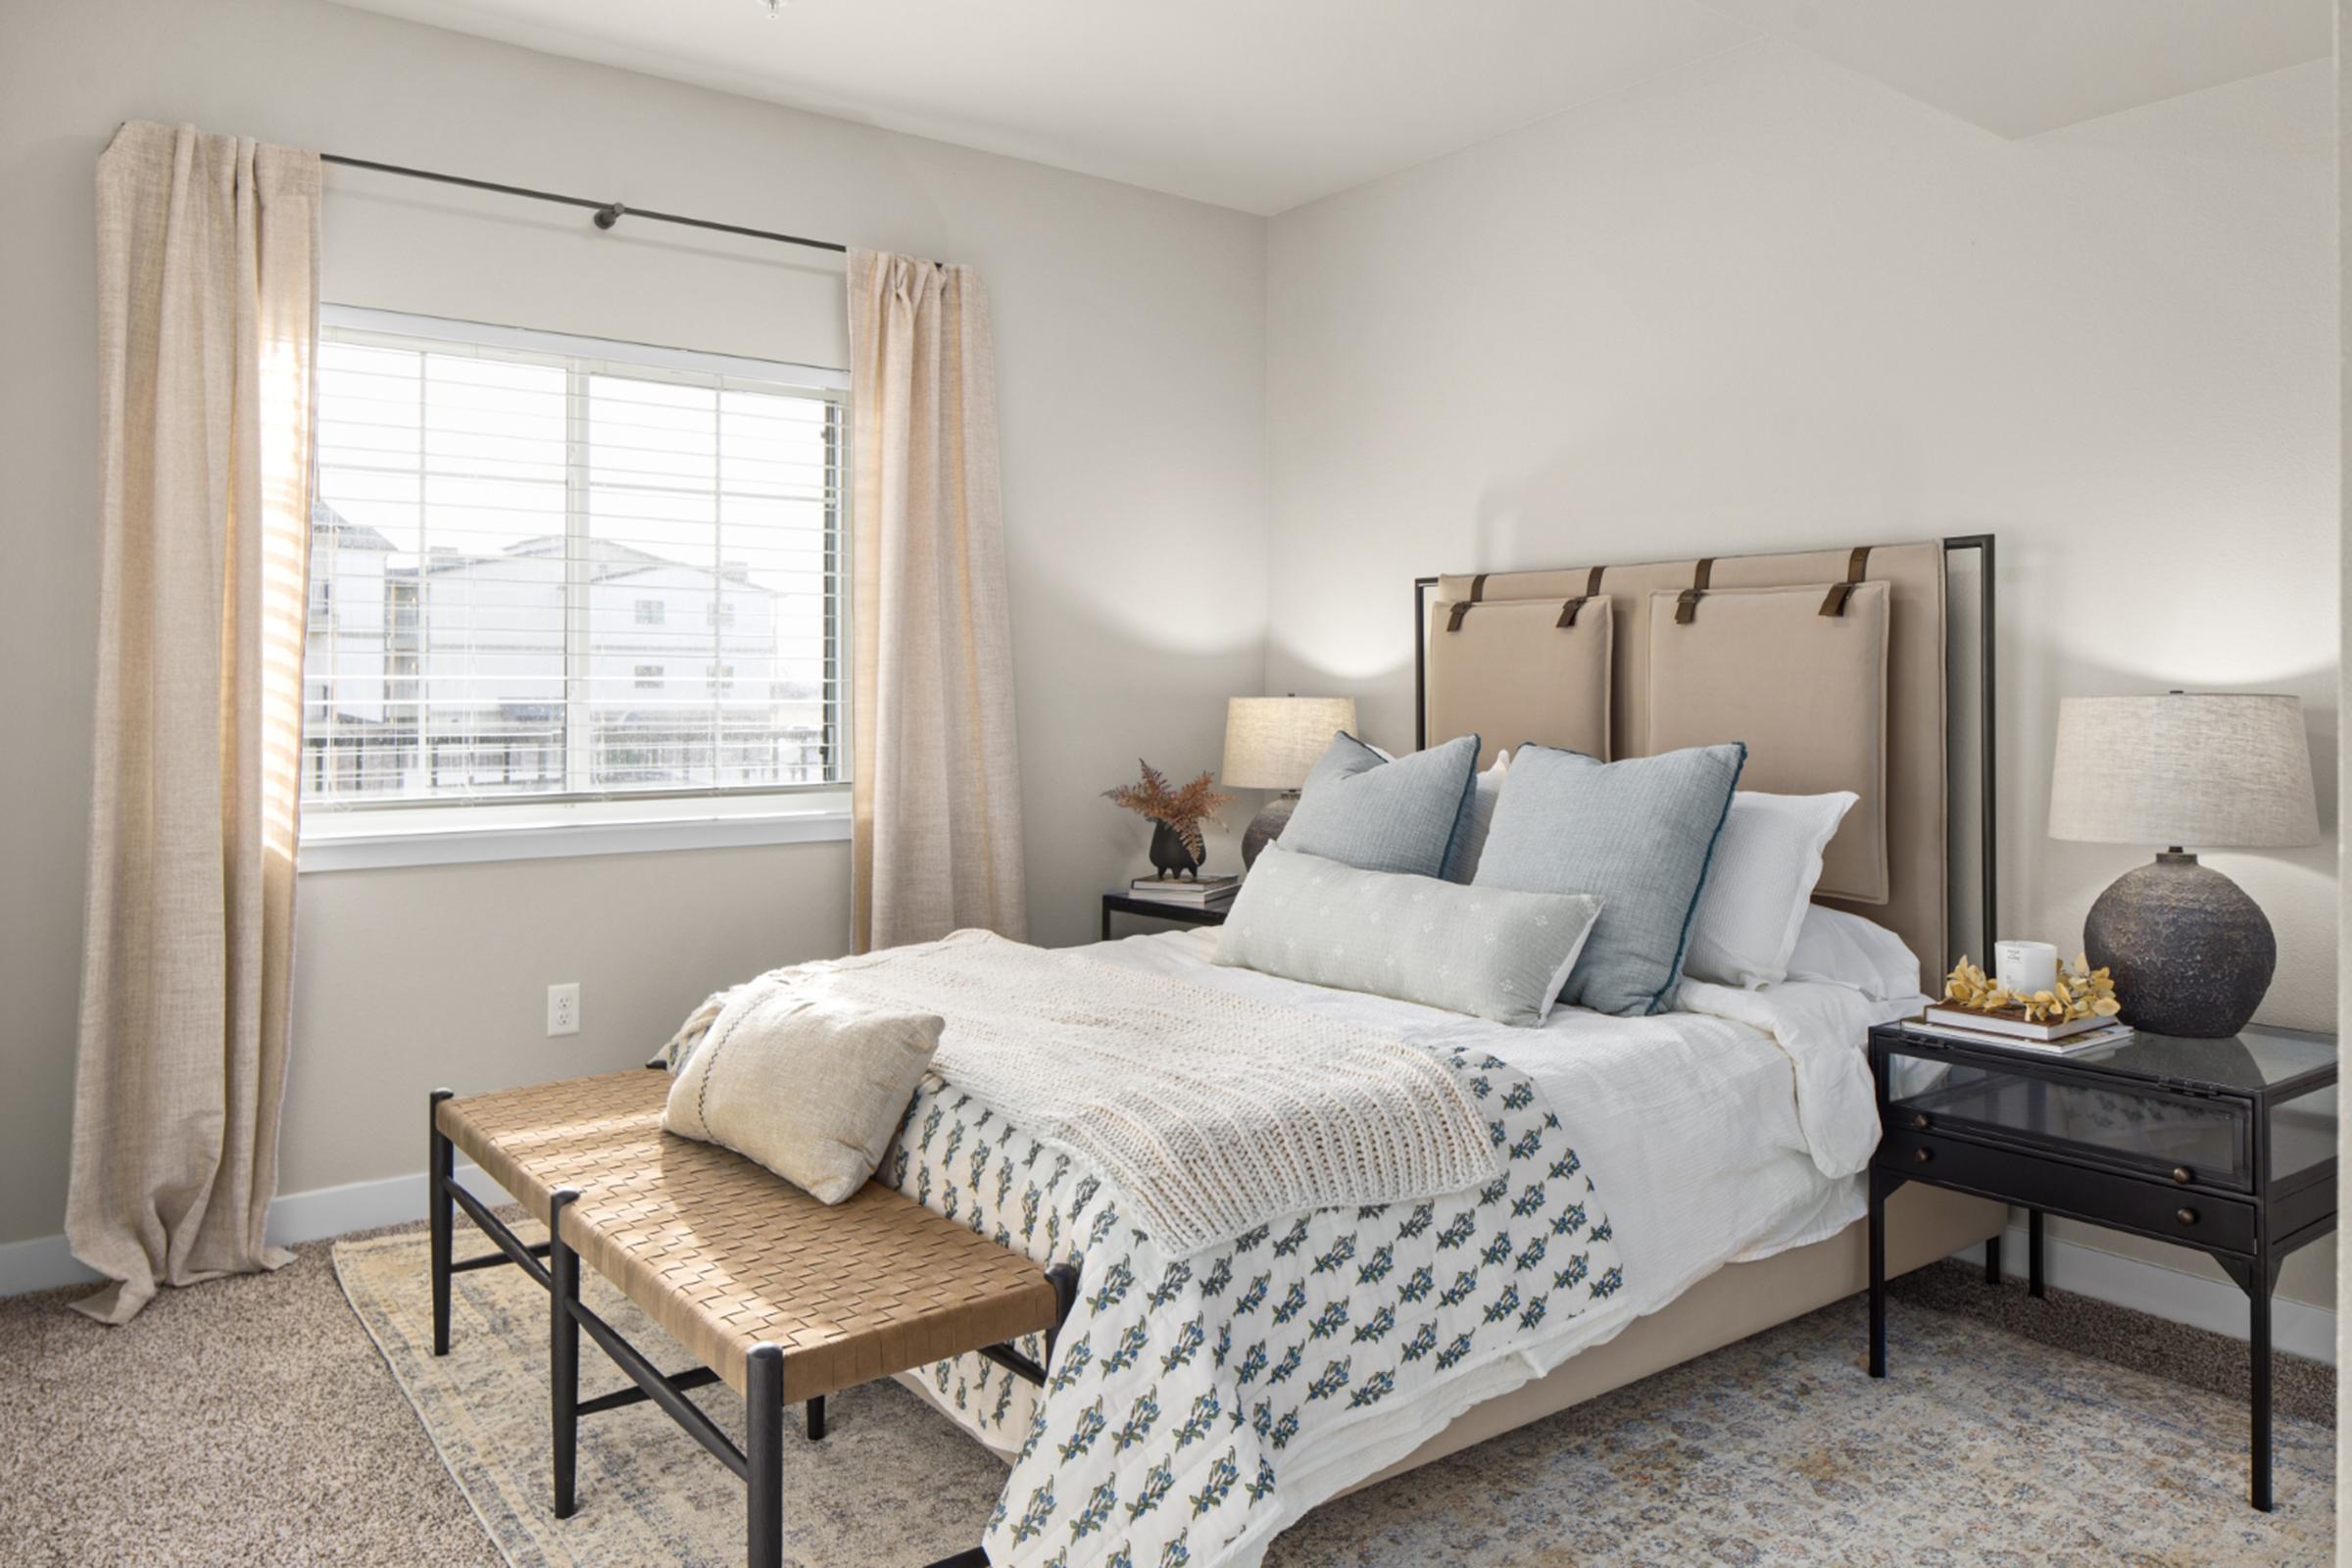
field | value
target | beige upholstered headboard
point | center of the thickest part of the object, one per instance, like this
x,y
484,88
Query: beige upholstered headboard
x,y
1833,667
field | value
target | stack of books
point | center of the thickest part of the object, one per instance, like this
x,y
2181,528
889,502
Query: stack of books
x,y
1208,893
1970,1027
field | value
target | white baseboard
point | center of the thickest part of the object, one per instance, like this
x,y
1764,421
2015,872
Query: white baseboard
x,y
2297,1327
45,1261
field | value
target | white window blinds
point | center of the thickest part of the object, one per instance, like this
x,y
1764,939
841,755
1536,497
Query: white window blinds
x,y
522,543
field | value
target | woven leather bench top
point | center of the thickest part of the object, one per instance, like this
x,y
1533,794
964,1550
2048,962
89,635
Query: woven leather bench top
x,y
725,1254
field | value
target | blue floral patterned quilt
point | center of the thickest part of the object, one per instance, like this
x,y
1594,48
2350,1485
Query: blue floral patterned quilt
x,y
1180,1389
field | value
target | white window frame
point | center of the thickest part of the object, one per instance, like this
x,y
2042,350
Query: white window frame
x,y
428,833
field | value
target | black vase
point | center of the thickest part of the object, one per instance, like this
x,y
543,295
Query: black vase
x,y
1171,855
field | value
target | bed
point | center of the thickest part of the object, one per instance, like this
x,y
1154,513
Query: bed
x,y
1210,1356
1721,1144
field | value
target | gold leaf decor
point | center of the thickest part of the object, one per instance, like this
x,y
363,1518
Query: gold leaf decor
x,y
2080,992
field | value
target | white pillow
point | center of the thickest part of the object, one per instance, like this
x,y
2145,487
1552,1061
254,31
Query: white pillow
x,y
1478,816
1760,884
1848,950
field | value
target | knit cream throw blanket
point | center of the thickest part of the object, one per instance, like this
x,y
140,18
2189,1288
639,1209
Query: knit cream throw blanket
x,y
1209,1113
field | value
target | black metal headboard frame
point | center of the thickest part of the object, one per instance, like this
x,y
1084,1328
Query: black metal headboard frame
x,y
1989,854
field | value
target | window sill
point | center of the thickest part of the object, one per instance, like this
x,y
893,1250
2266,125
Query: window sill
x,y
453,836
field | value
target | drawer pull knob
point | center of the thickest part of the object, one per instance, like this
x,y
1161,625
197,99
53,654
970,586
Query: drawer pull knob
x,y
1921,1156
1920,1119
2186,1216
2181,1174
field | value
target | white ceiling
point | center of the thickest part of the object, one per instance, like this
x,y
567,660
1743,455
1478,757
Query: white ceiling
x,y
1264,104
2021,67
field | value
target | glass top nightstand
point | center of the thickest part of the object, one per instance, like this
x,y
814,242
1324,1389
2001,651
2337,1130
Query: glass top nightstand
x,y
2155,1103
1117,901
2225,1145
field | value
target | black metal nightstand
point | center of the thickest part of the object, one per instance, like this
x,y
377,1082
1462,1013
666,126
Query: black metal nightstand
x,y
2227,1145
1160,909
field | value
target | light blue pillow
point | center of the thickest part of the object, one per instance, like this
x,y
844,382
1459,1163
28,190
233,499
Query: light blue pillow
x,y
1639,833
1361,810
1480,951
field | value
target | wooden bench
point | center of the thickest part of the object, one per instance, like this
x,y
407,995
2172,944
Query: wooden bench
x,y
777,1295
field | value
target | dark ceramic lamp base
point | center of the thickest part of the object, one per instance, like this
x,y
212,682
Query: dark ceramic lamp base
x,y
2191,955
1266,827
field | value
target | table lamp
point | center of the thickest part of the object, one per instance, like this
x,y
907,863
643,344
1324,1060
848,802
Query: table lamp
x,y
2192,954
1270,744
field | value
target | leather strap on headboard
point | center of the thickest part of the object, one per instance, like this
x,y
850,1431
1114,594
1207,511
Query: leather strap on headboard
x,y
1686,608
1591,591
1478,591
1834,603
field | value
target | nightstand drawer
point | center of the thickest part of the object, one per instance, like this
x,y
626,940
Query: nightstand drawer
x,y
2139,1128
2151,1208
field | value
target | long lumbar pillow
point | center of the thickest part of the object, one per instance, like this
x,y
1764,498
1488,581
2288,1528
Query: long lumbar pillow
x,y
1639,833
810,1086
1488,953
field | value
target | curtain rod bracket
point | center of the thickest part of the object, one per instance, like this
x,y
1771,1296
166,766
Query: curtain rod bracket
x,y
609,214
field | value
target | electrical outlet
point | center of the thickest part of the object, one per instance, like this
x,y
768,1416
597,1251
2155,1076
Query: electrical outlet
x,y
564,1009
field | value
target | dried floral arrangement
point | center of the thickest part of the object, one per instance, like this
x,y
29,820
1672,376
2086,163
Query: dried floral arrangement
x,y
1180,811
2081,991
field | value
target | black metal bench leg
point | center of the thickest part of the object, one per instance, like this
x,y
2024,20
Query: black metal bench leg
x,y
763,1455
1992,1261
440,1169
2033,1277
564,1353
816,1419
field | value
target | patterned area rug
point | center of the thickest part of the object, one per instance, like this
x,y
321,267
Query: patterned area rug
x,y
1980,1449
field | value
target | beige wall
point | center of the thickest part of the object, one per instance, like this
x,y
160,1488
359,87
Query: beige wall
x,y
1131,379
1763,303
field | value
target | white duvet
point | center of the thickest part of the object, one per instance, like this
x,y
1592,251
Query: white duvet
x,y
1727,1130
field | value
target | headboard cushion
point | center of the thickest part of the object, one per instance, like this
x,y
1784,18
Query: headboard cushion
x,y
1804,689
1558,693
1914,792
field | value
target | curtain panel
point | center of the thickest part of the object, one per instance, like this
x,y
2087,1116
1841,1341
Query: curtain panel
x,y
936,840
208,270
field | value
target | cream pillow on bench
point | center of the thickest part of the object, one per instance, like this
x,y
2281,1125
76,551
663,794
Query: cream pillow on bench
x,y
812,1088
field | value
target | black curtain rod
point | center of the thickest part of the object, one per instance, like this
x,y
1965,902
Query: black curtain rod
x,y
607,214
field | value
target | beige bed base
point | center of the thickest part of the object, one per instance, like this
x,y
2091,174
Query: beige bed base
x,y
1923,1224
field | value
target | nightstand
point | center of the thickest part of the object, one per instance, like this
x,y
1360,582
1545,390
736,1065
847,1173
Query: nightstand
x,y
1160,909
2227,1145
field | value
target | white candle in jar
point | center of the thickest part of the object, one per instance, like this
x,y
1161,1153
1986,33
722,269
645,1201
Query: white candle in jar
x,y
2025,968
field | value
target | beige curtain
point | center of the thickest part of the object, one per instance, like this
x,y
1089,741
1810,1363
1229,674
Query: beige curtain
x,y
936,798
207,282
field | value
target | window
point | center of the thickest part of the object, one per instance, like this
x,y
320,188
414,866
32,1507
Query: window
x,y
513,535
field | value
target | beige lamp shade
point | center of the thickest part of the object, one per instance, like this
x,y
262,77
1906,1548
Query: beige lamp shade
x,y
2197,769
1271,742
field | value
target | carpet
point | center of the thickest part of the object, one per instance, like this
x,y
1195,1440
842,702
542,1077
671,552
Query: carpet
x,y
1981,1448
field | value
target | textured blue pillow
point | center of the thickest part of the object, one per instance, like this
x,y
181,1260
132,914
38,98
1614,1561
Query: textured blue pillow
x,y
1639,833
1361,810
